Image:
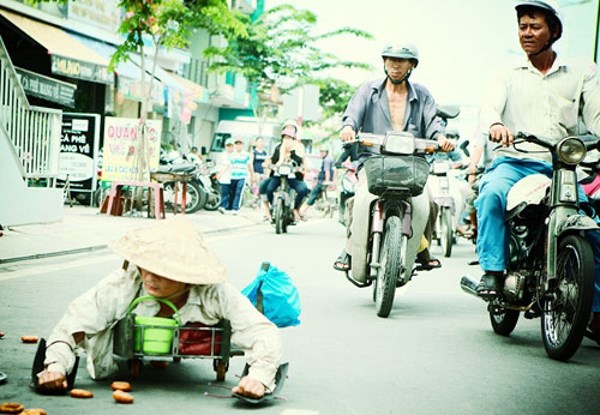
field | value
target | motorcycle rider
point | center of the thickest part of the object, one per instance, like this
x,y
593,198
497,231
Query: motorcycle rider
x,y
391,103
325,181
544,95
288,149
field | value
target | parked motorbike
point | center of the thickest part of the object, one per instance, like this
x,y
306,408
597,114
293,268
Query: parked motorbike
x,y
550,269
395,177
283,198
196,197
209,183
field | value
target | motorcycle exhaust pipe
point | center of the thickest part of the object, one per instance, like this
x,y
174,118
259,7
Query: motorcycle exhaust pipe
x,y
469,285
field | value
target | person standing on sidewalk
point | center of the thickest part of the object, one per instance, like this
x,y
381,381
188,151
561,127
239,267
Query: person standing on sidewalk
x,y
240,169
224,175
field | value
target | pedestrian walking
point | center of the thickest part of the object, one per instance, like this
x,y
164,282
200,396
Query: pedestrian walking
x,y
240,169
224,175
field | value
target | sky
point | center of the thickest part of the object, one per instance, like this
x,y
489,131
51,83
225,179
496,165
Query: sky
x,y
461,42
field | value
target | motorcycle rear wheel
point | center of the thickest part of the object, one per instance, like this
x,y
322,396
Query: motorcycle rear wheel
x,y
195,198
446,234
389,271
565,314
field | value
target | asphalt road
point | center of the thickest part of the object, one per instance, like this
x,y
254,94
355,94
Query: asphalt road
x,y
435,354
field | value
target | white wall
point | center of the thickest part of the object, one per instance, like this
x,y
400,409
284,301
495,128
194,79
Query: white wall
x,y
19,204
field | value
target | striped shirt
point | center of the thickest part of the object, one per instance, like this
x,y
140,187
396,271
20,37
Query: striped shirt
x,y
550,106
239,165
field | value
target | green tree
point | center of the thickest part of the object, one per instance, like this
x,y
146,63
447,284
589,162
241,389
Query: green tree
x,y
168,24
280,54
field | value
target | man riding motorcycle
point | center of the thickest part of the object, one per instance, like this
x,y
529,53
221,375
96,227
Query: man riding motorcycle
x,y
389,104
545,95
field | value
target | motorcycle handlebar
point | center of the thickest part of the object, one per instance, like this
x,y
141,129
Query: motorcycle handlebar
x,y
369,140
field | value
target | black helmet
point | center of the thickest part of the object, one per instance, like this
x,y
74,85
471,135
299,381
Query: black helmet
x,y
549,7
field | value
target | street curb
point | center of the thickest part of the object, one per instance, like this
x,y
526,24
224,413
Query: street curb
x,y
102,246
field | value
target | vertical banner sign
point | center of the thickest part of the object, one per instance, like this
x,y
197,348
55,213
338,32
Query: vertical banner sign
x,y
78,156
122,144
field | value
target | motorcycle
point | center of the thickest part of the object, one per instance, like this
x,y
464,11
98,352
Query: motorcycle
x,y
444,226
209,183
395,177
283,198
550,266
196,197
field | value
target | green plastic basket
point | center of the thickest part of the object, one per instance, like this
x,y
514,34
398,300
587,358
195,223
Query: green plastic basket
x,y
154,335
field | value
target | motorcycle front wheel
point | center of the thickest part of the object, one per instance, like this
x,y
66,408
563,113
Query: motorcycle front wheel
x,y
279,216
566,310
446,233
213,202
389,271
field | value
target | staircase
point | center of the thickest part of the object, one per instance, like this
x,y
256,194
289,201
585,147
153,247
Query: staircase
x,y
29,154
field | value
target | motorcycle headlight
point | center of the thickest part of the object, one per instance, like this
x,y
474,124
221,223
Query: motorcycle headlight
x,y
571,150
399,143
284,170
440,167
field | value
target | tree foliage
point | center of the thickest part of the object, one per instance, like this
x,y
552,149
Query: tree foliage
x,y
281,51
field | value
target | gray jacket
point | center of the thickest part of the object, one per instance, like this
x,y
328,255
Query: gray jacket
x,y
369,111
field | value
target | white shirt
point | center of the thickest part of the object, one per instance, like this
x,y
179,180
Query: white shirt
x,y
224,167
548,106
98,310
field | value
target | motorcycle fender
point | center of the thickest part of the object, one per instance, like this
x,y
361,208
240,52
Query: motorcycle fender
x,y
445,201
576,223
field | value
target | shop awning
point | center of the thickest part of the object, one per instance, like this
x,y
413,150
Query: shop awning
x,y
183,84
69,57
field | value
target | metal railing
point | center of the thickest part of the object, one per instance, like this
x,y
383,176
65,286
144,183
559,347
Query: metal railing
x,y
33,131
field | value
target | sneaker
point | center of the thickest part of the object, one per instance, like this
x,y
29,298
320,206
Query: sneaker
x,y
221,210
234,212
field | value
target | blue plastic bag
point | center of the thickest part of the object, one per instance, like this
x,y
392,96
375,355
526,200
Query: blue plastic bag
x,y
274,292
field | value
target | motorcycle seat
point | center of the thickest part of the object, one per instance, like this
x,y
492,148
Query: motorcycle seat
x,y
179,168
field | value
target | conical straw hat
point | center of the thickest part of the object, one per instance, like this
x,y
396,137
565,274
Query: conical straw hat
x,y
172,249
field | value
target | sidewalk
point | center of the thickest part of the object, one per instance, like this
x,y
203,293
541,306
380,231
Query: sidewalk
x,y
84,229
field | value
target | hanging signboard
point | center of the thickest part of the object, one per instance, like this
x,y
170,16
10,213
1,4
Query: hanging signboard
x,y
78,158
47,88
122,138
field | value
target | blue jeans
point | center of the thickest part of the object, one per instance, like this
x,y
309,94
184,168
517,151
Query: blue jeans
x,y
225,195
298,185
314,193
492,240
235,193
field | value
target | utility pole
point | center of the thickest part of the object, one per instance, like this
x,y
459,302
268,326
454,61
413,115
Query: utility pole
x,y
596,57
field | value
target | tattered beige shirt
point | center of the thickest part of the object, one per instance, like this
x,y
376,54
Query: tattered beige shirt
x,y
97,311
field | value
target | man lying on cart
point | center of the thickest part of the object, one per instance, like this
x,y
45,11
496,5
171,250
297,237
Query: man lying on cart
x,y
167,261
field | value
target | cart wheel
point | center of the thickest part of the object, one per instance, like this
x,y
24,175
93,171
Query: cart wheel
x,y
135,368
220,367
177,359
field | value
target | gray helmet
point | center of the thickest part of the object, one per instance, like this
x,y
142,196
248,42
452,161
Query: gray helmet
x,y
549,7
401,51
